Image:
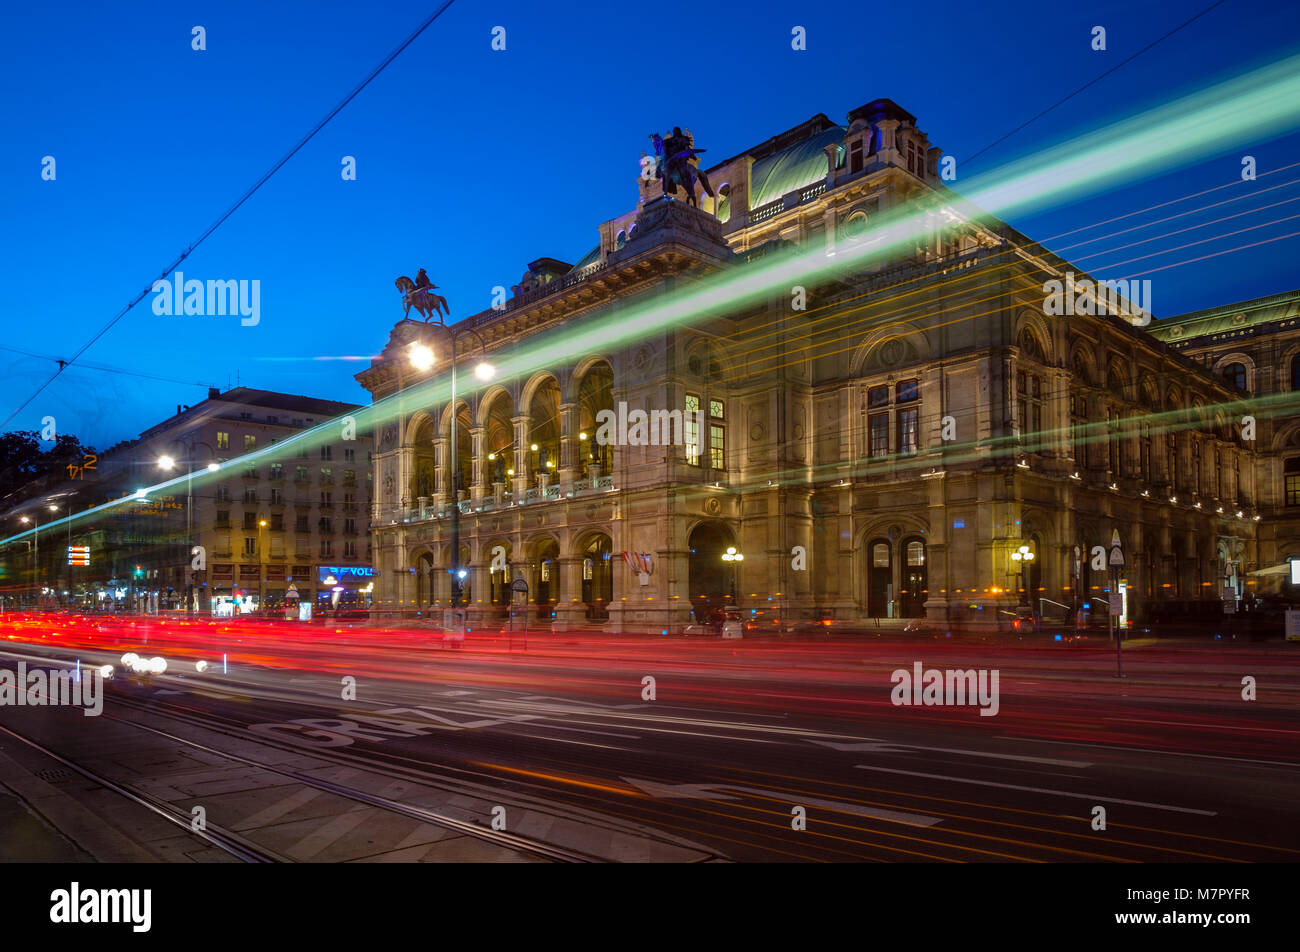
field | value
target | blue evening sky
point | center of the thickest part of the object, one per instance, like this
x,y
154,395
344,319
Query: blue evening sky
x,y
473,162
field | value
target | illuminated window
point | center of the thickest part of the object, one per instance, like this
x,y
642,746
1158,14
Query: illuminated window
x,y
916,553
908,390
692,426
223,440
717,446
300,474
878,426
878,397
250,545
908,430
277,470
250,442
724,204
880,555
715,409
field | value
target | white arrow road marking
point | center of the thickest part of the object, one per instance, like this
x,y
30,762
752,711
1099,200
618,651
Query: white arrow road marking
x,y
1058,793
677,791
906,748
704,791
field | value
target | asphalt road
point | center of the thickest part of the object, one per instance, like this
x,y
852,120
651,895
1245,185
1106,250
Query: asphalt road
x,y
750,751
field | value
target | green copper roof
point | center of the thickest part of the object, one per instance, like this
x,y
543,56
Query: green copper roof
x,y
590,257
1238,316
794,167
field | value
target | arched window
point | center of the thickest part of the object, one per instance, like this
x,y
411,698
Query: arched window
x,y
914,590
620,240
724,204
880,578
1235,375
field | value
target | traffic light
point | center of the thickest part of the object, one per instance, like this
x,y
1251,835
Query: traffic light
x,y
139,572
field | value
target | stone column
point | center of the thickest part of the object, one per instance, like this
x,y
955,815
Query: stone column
x,y
478,485
442,477
568,462
521,480
570,609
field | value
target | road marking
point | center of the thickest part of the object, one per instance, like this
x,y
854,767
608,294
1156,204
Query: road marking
x,y
887,748
1154,750
1217,727
1058,793
708,791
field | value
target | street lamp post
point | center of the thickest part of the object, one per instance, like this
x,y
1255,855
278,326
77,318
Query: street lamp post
x,y
1022,557
733,557
168,463
36,543
261,569
422,358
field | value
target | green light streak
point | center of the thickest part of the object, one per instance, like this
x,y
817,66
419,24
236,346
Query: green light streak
x,y
1263,102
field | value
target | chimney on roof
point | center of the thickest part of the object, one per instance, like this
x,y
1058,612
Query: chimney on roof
x,y
178,409
213,393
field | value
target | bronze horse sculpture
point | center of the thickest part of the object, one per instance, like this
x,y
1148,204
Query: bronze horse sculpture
x,y
424,301
677,171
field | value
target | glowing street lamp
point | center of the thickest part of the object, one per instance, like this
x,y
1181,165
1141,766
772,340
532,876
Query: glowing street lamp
x,y
1022,556
732,556
423,358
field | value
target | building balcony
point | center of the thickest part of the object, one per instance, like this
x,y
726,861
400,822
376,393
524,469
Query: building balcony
x,y
533,497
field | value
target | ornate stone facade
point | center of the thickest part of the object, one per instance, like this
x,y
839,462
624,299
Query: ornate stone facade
x,y
878,440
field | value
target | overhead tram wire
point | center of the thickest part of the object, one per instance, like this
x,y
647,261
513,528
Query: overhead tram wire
x,y
1168,218
856,338
106,369
1092,82
861,326
235,207
777,325
1250,105
837,312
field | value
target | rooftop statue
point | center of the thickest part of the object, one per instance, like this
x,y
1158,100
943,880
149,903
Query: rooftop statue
x,y
675,153
419,294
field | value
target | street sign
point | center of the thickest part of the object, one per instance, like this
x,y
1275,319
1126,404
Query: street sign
x,y
1116,603
1293,626
1116,552
78,555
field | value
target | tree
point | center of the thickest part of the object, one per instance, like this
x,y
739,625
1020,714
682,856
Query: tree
x,y
23,461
